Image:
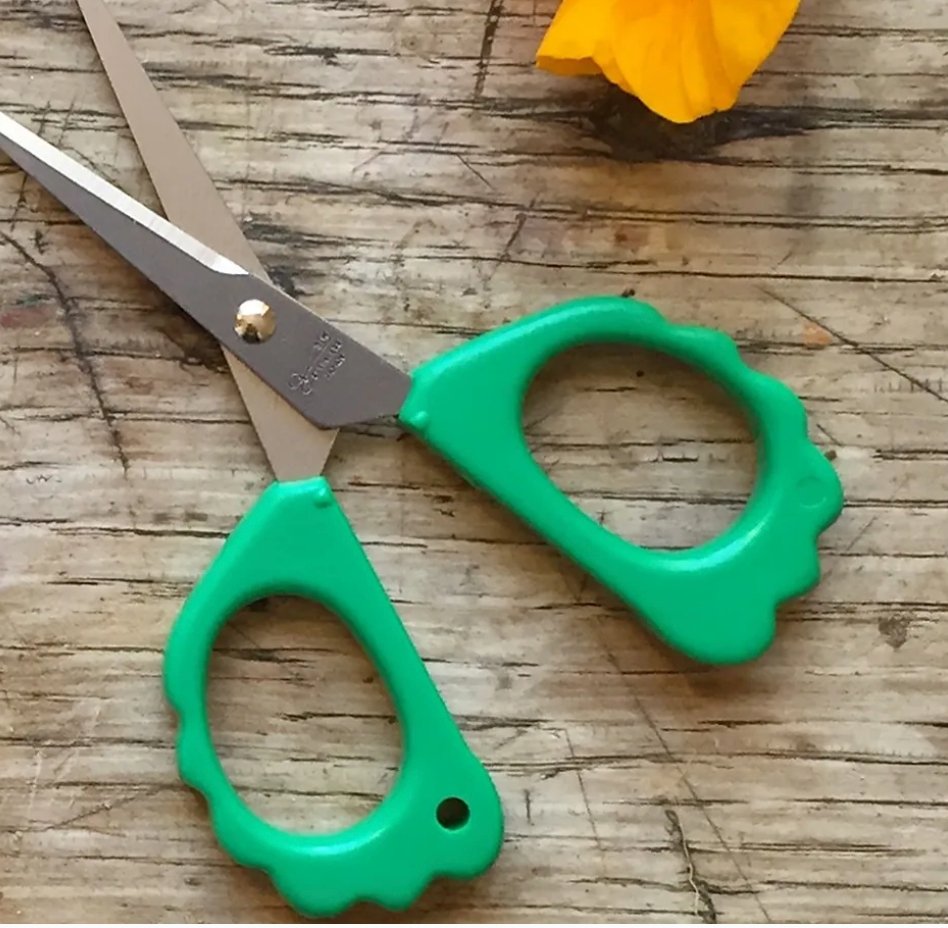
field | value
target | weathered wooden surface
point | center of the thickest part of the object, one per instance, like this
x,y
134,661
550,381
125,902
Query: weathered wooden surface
x,y
404,167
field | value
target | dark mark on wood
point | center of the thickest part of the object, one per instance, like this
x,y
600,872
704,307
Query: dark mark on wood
x,y
894,628
194,343
491,21
635,133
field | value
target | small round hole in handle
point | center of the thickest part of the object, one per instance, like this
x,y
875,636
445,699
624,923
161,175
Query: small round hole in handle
x,y
453,813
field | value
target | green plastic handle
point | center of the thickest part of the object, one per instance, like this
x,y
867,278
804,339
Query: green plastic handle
x,y
715,602
296,541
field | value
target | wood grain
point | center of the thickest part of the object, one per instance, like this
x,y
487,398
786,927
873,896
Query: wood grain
x,y
403,167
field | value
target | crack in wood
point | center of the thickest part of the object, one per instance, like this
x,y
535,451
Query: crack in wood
x,y
491,22
83,357
704,902
916,382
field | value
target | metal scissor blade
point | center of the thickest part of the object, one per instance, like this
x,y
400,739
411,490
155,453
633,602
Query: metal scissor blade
x,y
190,200
328,377
188,195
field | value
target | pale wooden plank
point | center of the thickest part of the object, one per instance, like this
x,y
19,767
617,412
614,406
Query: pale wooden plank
x,y
420,186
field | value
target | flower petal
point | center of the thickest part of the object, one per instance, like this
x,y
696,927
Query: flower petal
x,y
574,39
747,31
668,53
683,58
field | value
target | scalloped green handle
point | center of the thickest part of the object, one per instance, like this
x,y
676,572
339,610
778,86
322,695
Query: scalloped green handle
x,y
296,541
715,602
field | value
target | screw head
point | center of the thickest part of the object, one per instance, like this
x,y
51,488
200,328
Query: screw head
x,y
255,321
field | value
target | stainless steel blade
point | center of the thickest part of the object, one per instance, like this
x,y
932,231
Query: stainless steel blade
x,y
294,447
327,376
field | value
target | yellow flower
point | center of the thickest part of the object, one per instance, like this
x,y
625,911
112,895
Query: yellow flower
x,y
682,58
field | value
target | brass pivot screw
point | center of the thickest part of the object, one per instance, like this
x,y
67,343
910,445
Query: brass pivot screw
x,y
255,321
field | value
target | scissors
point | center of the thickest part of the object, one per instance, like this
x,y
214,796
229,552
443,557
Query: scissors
x,y
301,379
